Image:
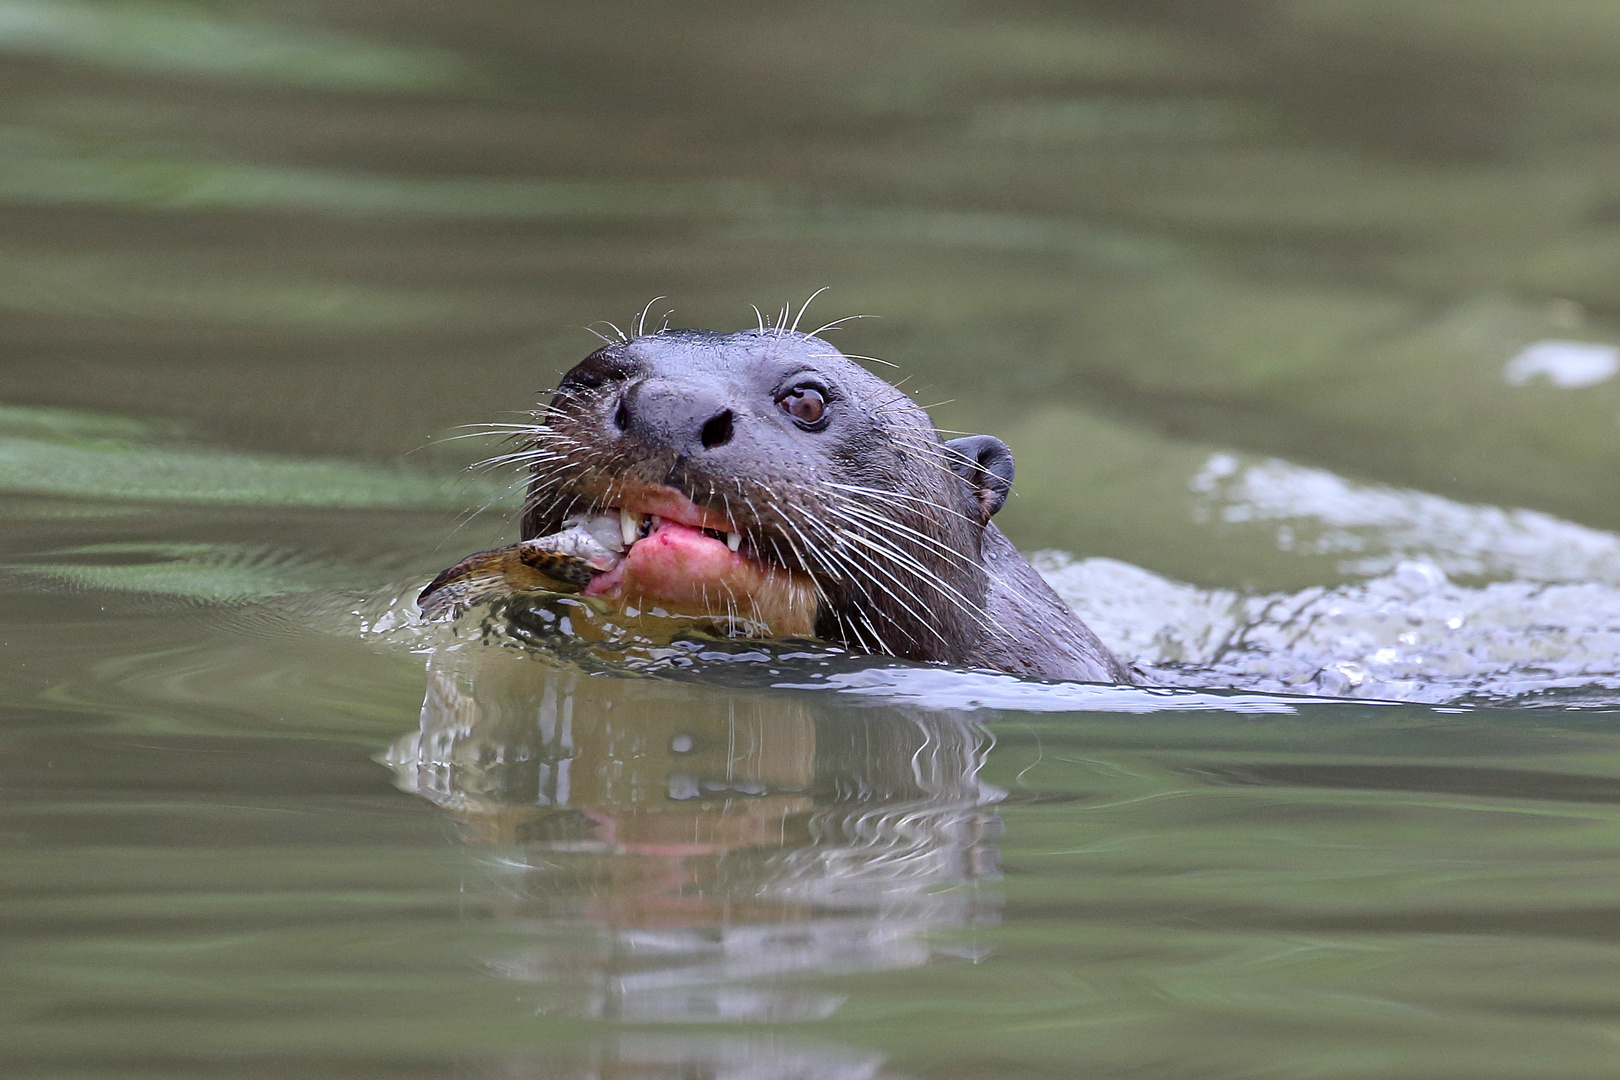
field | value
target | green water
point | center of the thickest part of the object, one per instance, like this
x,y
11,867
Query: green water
x,y
1299,316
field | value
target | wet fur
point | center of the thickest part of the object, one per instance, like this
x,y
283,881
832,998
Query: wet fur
x,y
888,525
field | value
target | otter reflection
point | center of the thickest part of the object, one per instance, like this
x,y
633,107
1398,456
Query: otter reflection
x,y
677,852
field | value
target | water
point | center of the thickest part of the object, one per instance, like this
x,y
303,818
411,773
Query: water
x,y
1300,318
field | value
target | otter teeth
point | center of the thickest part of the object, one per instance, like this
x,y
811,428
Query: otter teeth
x,y
633,527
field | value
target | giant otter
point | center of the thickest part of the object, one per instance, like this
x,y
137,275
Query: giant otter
x,y
764,476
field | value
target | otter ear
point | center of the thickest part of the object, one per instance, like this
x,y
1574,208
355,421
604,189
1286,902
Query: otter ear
x,y
986,465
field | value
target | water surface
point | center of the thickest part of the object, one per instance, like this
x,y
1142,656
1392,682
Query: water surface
x,y
1300,318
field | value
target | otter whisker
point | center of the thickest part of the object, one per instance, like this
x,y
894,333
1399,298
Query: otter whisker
x,y
895,407
775,543
794,329
976,614
860,534
835,324
930,450
557,508
511,432
533,456
916,500
532,503
563,409
539,477
881,646
949,593
924,545
468,516
858,356
491,429
876,523
549,430
874,526
501,424
874,564
924,508
800,557
641,320
804,564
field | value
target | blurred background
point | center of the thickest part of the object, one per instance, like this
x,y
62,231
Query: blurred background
x,y
1120,235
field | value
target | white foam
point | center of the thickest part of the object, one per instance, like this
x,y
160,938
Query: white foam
x,y
1538,612
1567,364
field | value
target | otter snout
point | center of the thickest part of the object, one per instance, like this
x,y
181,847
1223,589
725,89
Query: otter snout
x,y
811,500
679,417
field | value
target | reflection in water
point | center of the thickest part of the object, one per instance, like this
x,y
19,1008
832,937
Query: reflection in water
x,y
676,853
689,1058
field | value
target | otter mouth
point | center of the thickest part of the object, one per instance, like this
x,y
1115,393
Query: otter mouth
x,y
682,559
676,556
673,551
649,550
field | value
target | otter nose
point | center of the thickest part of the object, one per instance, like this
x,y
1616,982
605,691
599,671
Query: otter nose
x,y
675,416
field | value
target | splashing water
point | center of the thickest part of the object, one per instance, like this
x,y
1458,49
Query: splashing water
x,y
1535,618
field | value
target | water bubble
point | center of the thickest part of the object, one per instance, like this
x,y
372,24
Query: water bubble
x,y
1341,679
1419,577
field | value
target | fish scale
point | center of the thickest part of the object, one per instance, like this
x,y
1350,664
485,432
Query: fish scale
x,y
563,562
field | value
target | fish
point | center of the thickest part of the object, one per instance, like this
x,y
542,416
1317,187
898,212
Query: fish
x,y
563,562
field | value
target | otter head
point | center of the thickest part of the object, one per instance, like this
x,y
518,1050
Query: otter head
x,y
766,476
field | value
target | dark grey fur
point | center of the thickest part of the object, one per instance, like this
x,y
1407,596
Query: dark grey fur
x,y
892,523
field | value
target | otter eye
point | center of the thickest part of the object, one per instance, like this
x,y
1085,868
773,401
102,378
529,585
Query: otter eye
x,y
805,404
